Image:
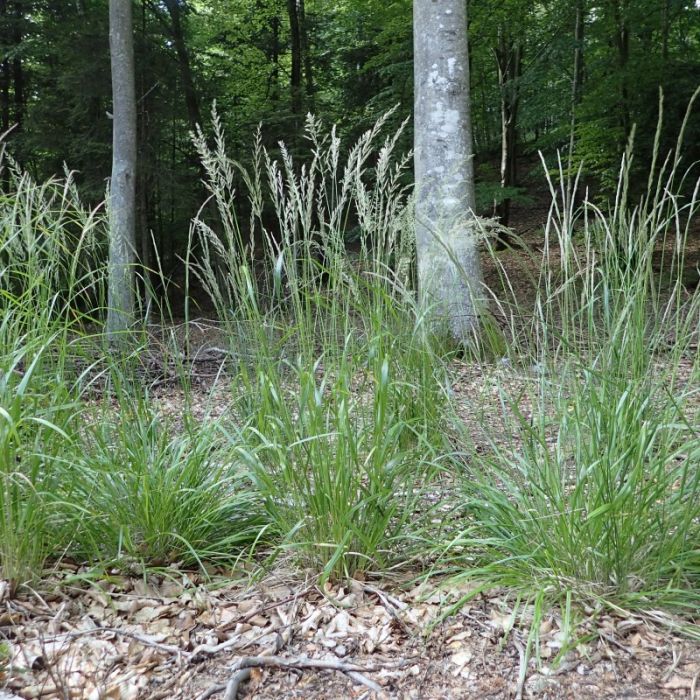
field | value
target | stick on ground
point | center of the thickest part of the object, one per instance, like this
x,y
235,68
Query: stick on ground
x,y
241,671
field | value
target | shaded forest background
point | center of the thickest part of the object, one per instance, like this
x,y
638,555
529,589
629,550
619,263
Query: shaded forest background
x,y
540,72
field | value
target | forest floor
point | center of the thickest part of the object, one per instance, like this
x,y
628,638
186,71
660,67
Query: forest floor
x,y
173,637
179,634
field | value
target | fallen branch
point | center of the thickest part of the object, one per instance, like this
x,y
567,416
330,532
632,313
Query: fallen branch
x,y
241,671
232,686
204,651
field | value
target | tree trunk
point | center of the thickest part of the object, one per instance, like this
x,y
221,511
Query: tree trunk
x,y
577,79
449,271
273,91
665,28
579,28
122,199
308,62
295,78
4,72
622,43
143,184
509,60
183,57
17,68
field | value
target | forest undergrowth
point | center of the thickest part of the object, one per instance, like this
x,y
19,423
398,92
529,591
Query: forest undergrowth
x,y
347,449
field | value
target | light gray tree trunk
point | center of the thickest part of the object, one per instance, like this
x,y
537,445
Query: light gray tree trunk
x,y
122,191
449,271
509,55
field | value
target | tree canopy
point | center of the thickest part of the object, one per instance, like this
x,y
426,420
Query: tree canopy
x,y
542,66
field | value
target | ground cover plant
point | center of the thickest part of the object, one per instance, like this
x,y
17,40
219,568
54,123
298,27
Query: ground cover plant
x,y
341,389
593,494
344,450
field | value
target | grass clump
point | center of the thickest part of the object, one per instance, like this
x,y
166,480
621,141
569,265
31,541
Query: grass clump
x,y
46,237
36,429
339,387
98,486
592,491
149,492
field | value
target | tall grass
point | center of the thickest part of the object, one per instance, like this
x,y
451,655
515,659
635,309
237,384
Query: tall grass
x,y
586,486
339,389
46,246
78,477
36,427
593,489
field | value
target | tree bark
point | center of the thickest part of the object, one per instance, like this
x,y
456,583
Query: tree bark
x,y
579,28
5,76
449,271
577,78
273,91
122,199
665,28
143,184
622,43
17,68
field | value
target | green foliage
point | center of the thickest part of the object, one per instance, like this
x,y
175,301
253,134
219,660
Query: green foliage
x,y
596,495
360,58
127,487
35,432
339,392
48,271
144,491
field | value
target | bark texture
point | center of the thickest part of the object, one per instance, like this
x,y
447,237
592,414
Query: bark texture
x,y
449,272
122,200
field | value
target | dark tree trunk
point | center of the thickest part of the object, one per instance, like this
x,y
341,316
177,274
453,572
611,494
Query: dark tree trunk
x,y
5,71
4,96
183,57
143,184
577,78
308,59
622,44
296,74
17,68
579,28
273,83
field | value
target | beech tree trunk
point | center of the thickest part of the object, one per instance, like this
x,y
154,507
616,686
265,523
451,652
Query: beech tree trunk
x,y
122,196
449,271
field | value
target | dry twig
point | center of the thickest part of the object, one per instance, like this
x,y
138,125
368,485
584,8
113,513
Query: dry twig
x,y
241,669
